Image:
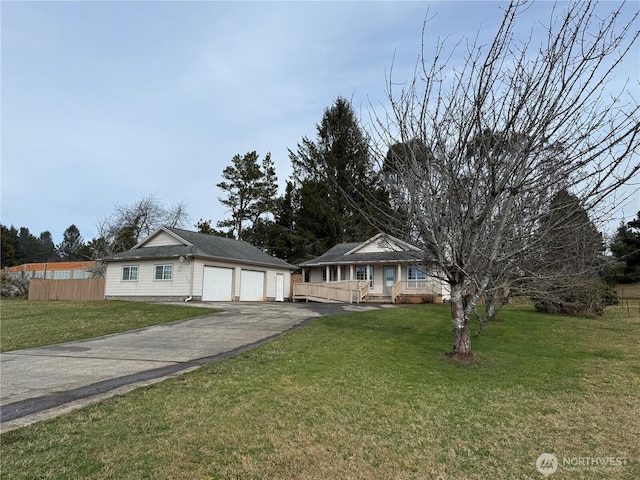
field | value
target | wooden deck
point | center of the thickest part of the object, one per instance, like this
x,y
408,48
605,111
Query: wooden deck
x,y
357,291
346,291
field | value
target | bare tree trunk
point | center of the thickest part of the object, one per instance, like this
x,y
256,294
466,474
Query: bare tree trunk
x,y
461,323
490,311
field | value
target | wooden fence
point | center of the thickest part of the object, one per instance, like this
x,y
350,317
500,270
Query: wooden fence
x,y
76,290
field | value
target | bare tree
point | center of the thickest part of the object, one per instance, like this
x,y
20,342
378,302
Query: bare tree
x,y
128,224
508,129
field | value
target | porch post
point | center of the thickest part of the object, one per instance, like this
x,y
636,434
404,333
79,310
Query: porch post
x,y
399,273
351,272
339,268
328,272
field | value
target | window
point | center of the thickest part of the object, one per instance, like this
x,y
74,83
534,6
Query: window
x,y
333,274
416,272
164,272
361,274
417,276
130,274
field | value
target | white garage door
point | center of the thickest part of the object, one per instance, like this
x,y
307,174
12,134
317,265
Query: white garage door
x,y
251,286
217,284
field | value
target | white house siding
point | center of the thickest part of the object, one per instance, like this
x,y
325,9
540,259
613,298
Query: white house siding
x,y
146,286
315,274
162,239
271,284
379,246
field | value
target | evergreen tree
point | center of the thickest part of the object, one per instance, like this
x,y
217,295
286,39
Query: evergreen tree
x,y
568,238
29,247
204,226
72,243
570,258
251,190
625,246
286,243
47,248
333,175
9,252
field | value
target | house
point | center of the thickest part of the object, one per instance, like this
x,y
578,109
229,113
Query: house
x,y
174,264
383,269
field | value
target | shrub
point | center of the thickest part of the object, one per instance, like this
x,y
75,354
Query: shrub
x,y
587,298
14,284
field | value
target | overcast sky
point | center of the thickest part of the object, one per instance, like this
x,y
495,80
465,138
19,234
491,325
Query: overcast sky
x,y
106,102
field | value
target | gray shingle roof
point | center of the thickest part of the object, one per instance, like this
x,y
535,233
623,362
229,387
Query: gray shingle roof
x,y
337,255
203,245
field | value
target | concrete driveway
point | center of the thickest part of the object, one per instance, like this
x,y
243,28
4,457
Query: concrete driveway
x,y
40,383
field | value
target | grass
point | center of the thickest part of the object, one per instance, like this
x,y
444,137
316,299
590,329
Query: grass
x,y
368,396
629,298
630,291
26,324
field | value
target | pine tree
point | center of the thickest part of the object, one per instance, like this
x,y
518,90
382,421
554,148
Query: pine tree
x,y
251,190
9,253
333,175
72,243
625,246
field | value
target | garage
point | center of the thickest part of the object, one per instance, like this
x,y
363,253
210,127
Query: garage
x,y
251,286
196,266
217,284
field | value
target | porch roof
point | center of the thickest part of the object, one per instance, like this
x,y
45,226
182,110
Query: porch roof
x,y
339,255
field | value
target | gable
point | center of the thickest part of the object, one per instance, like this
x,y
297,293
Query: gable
x,y
378,249
382,243
161,239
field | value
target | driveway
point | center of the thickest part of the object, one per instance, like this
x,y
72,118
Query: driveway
x,y
40,383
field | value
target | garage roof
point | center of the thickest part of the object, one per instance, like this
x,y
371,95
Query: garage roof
x,y
197,244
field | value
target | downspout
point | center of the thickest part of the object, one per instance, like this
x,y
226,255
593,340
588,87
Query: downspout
x,y
193,262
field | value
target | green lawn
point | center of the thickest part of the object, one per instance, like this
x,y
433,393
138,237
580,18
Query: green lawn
x,y
368,396
28,323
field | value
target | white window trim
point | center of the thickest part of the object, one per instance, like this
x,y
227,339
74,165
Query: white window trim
x,y
418,269
122,279
368,270
155,272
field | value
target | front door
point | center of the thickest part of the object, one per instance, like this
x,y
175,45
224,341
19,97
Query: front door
x,y
389,279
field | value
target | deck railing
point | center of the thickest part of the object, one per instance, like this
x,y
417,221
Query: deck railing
x,y
354,291
415,287
345,291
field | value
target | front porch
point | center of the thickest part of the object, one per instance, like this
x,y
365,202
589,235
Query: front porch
x,y
382,269
359,291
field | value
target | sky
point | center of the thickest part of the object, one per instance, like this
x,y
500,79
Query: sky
x,y
103,103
